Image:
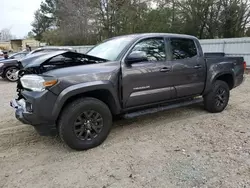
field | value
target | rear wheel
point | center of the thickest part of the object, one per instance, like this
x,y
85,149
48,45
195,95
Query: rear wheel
x,y
10,74
217,99
85,123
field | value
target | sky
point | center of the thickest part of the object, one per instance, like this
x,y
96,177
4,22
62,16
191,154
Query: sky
x,y
17,15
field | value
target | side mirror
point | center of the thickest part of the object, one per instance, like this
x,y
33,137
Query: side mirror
x,y
136,57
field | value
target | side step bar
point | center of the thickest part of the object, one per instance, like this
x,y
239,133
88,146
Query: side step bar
x,y
162,108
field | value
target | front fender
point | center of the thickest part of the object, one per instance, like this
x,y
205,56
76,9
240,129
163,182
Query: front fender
x,y
81,89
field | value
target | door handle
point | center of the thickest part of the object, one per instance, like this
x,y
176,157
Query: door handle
x,y
197,66
165,69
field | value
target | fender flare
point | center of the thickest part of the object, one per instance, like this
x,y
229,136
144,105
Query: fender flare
x,y
81,89
224,73
214,77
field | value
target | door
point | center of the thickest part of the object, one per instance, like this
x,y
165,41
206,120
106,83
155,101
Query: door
x,y
147,81
188,67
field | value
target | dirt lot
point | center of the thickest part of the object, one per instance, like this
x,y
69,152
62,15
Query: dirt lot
x,y
186,147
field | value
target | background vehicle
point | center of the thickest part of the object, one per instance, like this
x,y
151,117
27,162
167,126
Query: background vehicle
x,y
9,67
51,49
16,56
128,75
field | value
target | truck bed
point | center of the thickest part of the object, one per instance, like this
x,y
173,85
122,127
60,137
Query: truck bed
x,y
218,63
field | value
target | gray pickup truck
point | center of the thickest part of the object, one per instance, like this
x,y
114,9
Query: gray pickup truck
x,y
78,95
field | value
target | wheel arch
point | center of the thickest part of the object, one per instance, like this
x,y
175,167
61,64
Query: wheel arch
x,y
101,91
8,67
226,77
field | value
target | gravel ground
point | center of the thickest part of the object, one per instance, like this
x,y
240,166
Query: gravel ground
x,y
7,91
185,147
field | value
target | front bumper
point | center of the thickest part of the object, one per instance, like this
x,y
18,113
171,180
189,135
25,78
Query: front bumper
x,y
19,111
30,110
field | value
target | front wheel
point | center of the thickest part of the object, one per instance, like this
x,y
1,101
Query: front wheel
x,y
85,123
217,99
10,74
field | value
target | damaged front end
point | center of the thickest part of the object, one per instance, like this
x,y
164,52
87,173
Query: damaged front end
x,y
39,64
35,100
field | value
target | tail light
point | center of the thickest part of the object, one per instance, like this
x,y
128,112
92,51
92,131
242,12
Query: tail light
x,y
245,65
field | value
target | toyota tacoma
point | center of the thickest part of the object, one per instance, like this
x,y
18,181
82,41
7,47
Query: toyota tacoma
x,y
78,95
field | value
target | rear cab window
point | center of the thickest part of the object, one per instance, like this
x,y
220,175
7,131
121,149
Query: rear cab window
x,y
182,48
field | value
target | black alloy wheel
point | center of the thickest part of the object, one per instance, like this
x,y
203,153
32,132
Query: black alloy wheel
x,y
217,99
85,123
220,97
88,125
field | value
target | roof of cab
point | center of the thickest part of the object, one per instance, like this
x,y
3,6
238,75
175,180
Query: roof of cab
x,y
142,35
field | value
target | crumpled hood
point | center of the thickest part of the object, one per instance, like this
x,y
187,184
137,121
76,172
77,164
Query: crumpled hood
x,y
32,59
41,58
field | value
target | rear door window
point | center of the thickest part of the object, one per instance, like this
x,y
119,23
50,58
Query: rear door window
x,y
182,48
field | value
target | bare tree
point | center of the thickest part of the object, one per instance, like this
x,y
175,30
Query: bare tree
x,y
90,21
5,34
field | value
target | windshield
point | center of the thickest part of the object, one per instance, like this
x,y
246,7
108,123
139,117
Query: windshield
x,y
110,49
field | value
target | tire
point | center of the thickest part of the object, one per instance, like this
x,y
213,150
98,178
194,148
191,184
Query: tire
x,y
9,74
82,137
217,99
